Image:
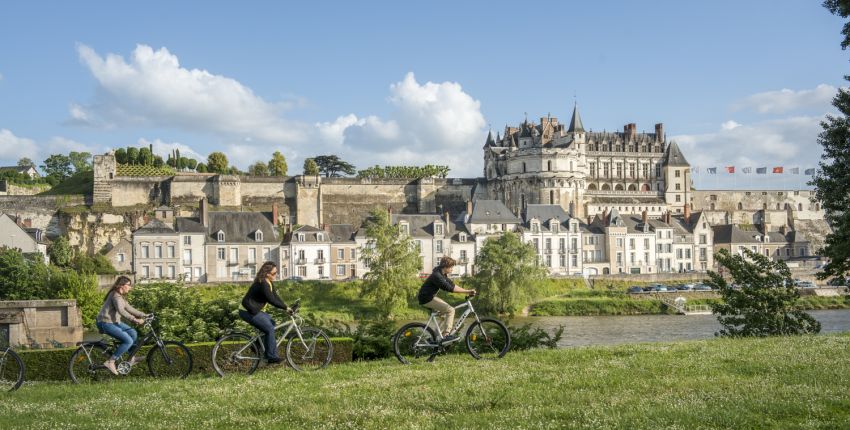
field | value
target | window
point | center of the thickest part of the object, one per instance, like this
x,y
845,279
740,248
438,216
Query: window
x,y
340,254
548,245
321,271
158,272
646,243
537,246
463,255
187,240
574,260
301,255
353,254
703,239
320,236
252,256
646,258
678,187
632,257
146,272
267,254
679,253
172,272
678,173
234,255
562,261
404,228
301,237
438,229
678,198
619,258
657,170
320,256
170,251
619,242
787,252
258,236
688,253
302,271
220,236
535,227
439,246
157,251
121,257
340,270
418,245
562,244
631,243
220,253
187,257
461,237
549,261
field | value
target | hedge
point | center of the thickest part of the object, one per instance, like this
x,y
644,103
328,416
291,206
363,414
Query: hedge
x,y
52,364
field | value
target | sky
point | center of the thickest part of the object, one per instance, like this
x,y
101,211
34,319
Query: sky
x,y
735,83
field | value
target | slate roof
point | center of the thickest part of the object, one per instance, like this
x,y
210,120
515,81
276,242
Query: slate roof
x,y
674,157
546,212
730,233
239,227
311,235
190,225
342,233
575,122
154,227
491,212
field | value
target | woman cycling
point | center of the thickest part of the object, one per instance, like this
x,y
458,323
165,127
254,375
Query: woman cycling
x,y
108,320
260,293
439,280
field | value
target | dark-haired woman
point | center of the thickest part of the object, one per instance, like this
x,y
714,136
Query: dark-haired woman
x,y
439,280
108,320
259,294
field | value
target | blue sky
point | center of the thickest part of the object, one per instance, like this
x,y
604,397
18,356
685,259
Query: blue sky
x,y
735,83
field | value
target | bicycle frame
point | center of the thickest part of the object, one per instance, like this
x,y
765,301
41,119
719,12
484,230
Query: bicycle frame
x,y
150,334
458,323
292,323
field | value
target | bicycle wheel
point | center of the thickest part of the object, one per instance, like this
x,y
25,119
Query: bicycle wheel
x,y
235,353
11,371
172,360
415,342
314,353
85,368
488,338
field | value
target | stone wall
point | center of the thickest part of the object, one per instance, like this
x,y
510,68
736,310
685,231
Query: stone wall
x,y
41,323
348,201
750,201
139,190
9,189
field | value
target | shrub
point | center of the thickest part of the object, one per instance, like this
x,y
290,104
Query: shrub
x,y
527,336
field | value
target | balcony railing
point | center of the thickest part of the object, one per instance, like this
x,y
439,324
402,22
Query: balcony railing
x,y
320,261
562,250
300,261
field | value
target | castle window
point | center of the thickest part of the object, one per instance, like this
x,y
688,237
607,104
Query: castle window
x,y
301,237
678,173
799,206
549,165
523,167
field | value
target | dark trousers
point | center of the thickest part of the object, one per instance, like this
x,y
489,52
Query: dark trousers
x,y
263,322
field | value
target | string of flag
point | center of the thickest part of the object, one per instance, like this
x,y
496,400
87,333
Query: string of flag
x,y
696,170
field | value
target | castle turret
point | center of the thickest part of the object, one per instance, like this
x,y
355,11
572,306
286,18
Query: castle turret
x,y
677,178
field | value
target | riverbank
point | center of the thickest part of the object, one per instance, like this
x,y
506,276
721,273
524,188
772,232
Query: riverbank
x,y
720,383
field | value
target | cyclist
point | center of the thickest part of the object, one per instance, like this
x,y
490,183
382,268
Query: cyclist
x,y
439,280
108,320
260,293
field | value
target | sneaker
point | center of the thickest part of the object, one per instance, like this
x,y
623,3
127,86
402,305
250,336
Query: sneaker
x,y
110,366
274,360
449,339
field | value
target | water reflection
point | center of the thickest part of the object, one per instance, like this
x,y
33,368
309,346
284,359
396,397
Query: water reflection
x,y
608,330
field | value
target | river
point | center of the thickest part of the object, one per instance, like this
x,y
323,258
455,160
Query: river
x,y
609,330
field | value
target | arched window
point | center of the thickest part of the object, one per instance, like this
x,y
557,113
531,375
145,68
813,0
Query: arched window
x,y
740,206
523,167
644,187
799,206
220,236
632,187
591,187
619,187
551,197
549,166
258,236
712,206
606,187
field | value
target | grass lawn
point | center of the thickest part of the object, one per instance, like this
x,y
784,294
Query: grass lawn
x,y
792,382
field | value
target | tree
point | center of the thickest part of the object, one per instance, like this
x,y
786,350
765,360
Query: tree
x,y
58,166
81,161
763,301
508,272
331,166
217,163
25,162
310,167
233,170
121,156
201,168
832,179
132,155
192,163
258,169
157,161
60,252
277,165
393,264
145,157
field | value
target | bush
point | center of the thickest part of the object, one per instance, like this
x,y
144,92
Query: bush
x,y
80,287
372,339
526,337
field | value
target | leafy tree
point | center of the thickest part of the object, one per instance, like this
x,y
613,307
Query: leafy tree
x,y
132,155
310,167
763,302
81,161
393,264
217,163
81,287
60,252
258,169
332,166
832,179
25,162
58,166
277,165
191,163
201,168
157,161
121,156
145,157
233,170
508,273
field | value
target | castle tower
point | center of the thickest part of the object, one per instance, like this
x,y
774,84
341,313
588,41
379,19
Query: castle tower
x,y
105,169
677,179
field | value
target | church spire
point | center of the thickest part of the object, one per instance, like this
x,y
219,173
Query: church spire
x,y
575,122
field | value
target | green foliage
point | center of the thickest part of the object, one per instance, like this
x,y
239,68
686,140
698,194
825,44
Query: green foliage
x,y
765,303
22,277
60,252
598,305
191,163
217,163
526,337
143,170
333,166
842,9
145,157
132,155
372,338
393,264
277,165
157,161
82,161
508,273
258,169
310,167
81,287
180,312
121,156
79,183
97,264
404,172
58,166
201,168
25,162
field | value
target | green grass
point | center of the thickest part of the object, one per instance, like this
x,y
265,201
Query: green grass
x,y
79,183
783,382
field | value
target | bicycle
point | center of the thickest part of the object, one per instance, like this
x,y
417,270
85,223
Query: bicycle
x,y
167,358
12,370
486,338
308,348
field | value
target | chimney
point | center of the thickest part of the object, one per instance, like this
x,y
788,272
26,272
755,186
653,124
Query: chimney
x,y
19,221
28,222
667,217
274,214
644,216
468,208
605,217
589,219
659,132
687,213
203,212
447,218
783,230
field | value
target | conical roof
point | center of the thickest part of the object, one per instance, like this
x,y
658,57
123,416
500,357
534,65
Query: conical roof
x,y
674,157
575,121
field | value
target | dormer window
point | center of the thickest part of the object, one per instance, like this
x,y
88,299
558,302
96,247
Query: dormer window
x,y
535,227
219,236
766,238
320,236
438,229
554,226
301,237
404,228
461,237
258,236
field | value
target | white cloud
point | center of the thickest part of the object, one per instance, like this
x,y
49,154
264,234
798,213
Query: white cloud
x,y
151,88
730,125
164,149
786,100
1,76
432,123
12,147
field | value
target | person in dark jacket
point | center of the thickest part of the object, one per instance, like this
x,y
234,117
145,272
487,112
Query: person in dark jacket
x,y
439,280
259,294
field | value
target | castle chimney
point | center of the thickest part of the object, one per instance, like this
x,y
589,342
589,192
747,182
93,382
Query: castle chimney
x,y
589,219
687,213
667,217
203,212
448,219
659,132
274,214
644,216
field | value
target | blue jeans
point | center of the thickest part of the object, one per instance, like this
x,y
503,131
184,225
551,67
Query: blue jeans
x,y
263,322
124,333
